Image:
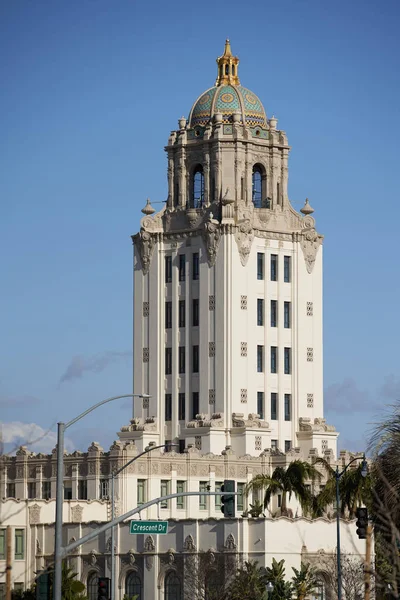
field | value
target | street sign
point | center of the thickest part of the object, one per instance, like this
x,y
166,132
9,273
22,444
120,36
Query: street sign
x,y
155,527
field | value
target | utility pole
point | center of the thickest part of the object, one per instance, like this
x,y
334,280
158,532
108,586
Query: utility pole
x,y
8,563
367,567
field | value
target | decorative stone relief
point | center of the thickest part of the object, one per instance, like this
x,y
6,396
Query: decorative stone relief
x,y
146,402
149,561
92,557
34,514
257,443
243,349
310,354
211,302
310,242
244,236
154,468
92,468
211,396
146,309
180,469
76,514
20,472
146,355
149,545
145,242
166,469
253,421
243,395
243,302
211,349
319,425
189,545
131,557
310,400
212,238
230,543
310,309
38,548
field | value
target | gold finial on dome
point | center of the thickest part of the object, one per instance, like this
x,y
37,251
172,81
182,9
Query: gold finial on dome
x,y
227,67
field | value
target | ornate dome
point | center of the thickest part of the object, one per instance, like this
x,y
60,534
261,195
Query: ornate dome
x,y
228,98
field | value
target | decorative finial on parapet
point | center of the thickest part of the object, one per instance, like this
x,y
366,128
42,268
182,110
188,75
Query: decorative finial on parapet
x,y
307,209
148,209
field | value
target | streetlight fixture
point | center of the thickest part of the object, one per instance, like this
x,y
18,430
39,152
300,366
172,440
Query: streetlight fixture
x,y
364,473
148,449
61,427
269,588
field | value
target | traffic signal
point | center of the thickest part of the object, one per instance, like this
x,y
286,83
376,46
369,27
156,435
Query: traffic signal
x,y
103,588
43,586
362,522
228,499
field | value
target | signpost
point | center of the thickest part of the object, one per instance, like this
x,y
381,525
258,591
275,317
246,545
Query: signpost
x,y
155,527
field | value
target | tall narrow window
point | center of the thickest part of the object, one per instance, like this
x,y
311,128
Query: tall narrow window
x,y
288,361
19,544
288,445
260,311
82,489
168,361
182,313
274,359
195,404
164,491
2,544
182,267
260,359
288,407
168,315
240,496
257,181
11,490
274,446
176,194
274,267
46,490
198,187
141,491
195,312
260,265
218,485
287,267
195,266
203,485
274,313
133,586
181,406
181,359
274,406
195,359
260,404
104,491
168,269
168,407
31,489
286,315
180,489
172,587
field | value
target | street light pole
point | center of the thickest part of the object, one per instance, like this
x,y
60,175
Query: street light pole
x,y
61,427
113,476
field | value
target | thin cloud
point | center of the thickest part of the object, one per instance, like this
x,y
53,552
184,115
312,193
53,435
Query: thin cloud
x,y
24,400
80,365
346,396
391,388
32,435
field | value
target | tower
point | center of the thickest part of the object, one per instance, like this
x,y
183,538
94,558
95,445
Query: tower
x,y
228,289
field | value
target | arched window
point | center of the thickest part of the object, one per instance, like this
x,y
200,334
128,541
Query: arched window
x,y
259,185
172,587
198,187
133,585
91,586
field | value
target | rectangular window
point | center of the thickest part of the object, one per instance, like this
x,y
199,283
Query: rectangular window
x,y
195,266
218,503
2,544
67,492
288,360
274,267
288,445
104,493
182,267
168,407
46,490
274,444
260,265
288,407
260,311
31,489
287,269
240,496
182,313
260,404
203,487
195,359
168,269
195,404
286,315
260,359
168,315
141,491
274,359
10,490
82,489
274,313
180,488
181,359
168,361
181,406
195,312
19,544
165,486
274,406
181,446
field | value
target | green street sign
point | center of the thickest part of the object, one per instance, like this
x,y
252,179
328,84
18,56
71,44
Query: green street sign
x,y
155,527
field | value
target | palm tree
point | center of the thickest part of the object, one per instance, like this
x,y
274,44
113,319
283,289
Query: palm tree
x,y
291,480
71,588
304,581
276,575
248,583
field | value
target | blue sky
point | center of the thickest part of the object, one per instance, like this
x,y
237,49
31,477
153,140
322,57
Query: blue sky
x,y
90,92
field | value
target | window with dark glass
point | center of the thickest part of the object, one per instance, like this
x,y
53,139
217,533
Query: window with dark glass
x,y
218,485
274,359
203,487
133,586
195,359
2,544
67,492
91,586
198,187
168,315
260,404
287,269
274,446
182,267
168,407
181,446
181,359
288,407
260,265
19,540
286,315
195,404
82,489
288,361
195,266
172,587
10,490
180,489
141,491
240,496
181,407
260,359
257,181
168,269
195,312
274,313
168,361
31,489
182,313
274,267
288,445
274,406
46,490
165,487
260,311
